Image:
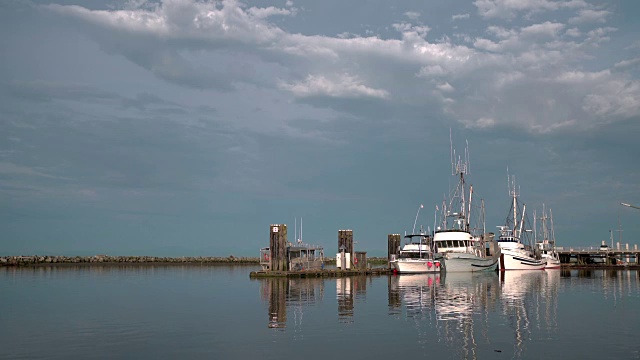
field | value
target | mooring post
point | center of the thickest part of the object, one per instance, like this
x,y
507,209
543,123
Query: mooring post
x,y
393,241
278,247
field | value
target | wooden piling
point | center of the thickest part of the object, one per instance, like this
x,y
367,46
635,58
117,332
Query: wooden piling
x,y
345,238
393,241
278,247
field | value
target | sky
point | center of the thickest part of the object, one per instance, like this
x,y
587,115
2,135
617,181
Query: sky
x,y
186,128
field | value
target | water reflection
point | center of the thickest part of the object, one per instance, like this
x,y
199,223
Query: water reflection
x,y
523,295
463,304
462,307
613,284
283,293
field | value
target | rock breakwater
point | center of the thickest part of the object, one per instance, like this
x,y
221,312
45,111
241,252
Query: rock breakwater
x,y
106,259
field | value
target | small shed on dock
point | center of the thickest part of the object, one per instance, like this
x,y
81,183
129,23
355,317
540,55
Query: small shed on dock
x,y
360,260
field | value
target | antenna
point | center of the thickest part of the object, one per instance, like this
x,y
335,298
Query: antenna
x,y
416,220
468,160
452,153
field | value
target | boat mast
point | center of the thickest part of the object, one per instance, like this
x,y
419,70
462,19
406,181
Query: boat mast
x,y
535,226
545,230
521,230
552,238
515,208
460,167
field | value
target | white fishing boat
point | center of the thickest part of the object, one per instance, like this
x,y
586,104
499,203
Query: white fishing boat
x,y
516,254
547,243
463,248
417,256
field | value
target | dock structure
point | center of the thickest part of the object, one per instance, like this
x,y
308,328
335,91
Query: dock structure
x,y
393,248
319,273
601,255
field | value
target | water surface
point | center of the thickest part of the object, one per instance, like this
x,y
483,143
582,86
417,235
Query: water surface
x,y
217,312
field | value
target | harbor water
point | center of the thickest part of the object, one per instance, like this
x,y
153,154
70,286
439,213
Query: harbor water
x,y
218,312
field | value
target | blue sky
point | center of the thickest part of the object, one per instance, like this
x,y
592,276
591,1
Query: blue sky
x,y
186,127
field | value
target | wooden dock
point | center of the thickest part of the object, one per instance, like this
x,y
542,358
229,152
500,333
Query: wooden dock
x,y
319,273
586,255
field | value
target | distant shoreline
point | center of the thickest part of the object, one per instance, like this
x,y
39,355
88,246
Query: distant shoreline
x,y
36,260
124,260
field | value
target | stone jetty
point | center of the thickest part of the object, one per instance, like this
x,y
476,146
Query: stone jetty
x,y
37,260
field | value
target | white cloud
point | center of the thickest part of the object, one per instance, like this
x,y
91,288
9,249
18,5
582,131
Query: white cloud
x,y
573,32
516,40
615,97
263,13
413,15
626,64
8,168
590,16
517,69
481,123
633,46
445,87
510,8
344,86
545,29
460,17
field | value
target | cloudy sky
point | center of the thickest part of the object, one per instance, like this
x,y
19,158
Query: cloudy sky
x,y
186,127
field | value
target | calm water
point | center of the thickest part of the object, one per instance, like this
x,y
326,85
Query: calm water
x,y
217,312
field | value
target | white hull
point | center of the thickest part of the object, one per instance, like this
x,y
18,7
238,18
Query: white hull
x,y
552,263
510,260
463,262
417,266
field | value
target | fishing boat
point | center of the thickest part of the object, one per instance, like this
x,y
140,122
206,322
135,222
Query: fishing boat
x,y
547,243
417,256
463,248
514,239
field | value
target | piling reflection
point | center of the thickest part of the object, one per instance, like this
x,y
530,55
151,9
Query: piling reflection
x,y
347,290
614,284
295,294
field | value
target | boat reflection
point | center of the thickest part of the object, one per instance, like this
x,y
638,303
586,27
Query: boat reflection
x,y
462,306
529,299
458,305
281,293
415,291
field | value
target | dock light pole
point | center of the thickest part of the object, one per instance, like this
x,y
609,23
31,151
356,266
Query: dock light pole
x,y
629,205
416,220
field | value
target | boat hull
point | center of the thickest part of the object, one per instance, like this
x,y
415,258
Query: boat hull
x,y
463,262
552,263
417,266
515,261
